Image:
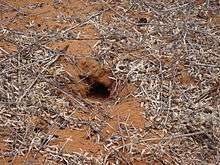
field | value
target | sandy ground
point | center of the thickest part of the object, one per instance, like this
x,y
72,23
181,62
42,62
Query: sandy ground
x,y
44,17
119,106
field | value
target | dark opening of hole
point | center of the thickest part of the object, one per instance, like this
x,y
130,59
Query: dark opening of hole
x,y
98,90
142,22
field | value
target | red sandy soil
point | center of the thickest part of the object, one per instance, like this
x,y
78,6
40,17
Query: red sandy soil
x,y
128,109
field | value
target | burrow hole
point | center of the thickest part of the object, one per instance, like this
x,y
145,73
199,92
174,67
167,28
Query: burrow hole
x,y
96,89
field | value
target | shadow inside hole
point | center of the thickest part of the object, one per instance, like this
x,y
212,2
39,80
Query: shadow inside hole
x,y
142,22
98,90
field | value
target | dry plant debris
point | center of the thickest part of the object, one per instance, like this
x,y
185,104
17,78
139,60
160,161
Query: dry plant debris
x,y
168,50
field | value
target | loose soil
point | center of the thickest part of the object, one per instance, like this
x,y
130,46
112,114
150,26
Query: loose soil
x,y
113,106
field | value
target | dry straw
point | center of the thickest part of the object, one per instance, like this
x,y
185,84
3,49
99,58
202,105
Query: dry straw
x,y
171,56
